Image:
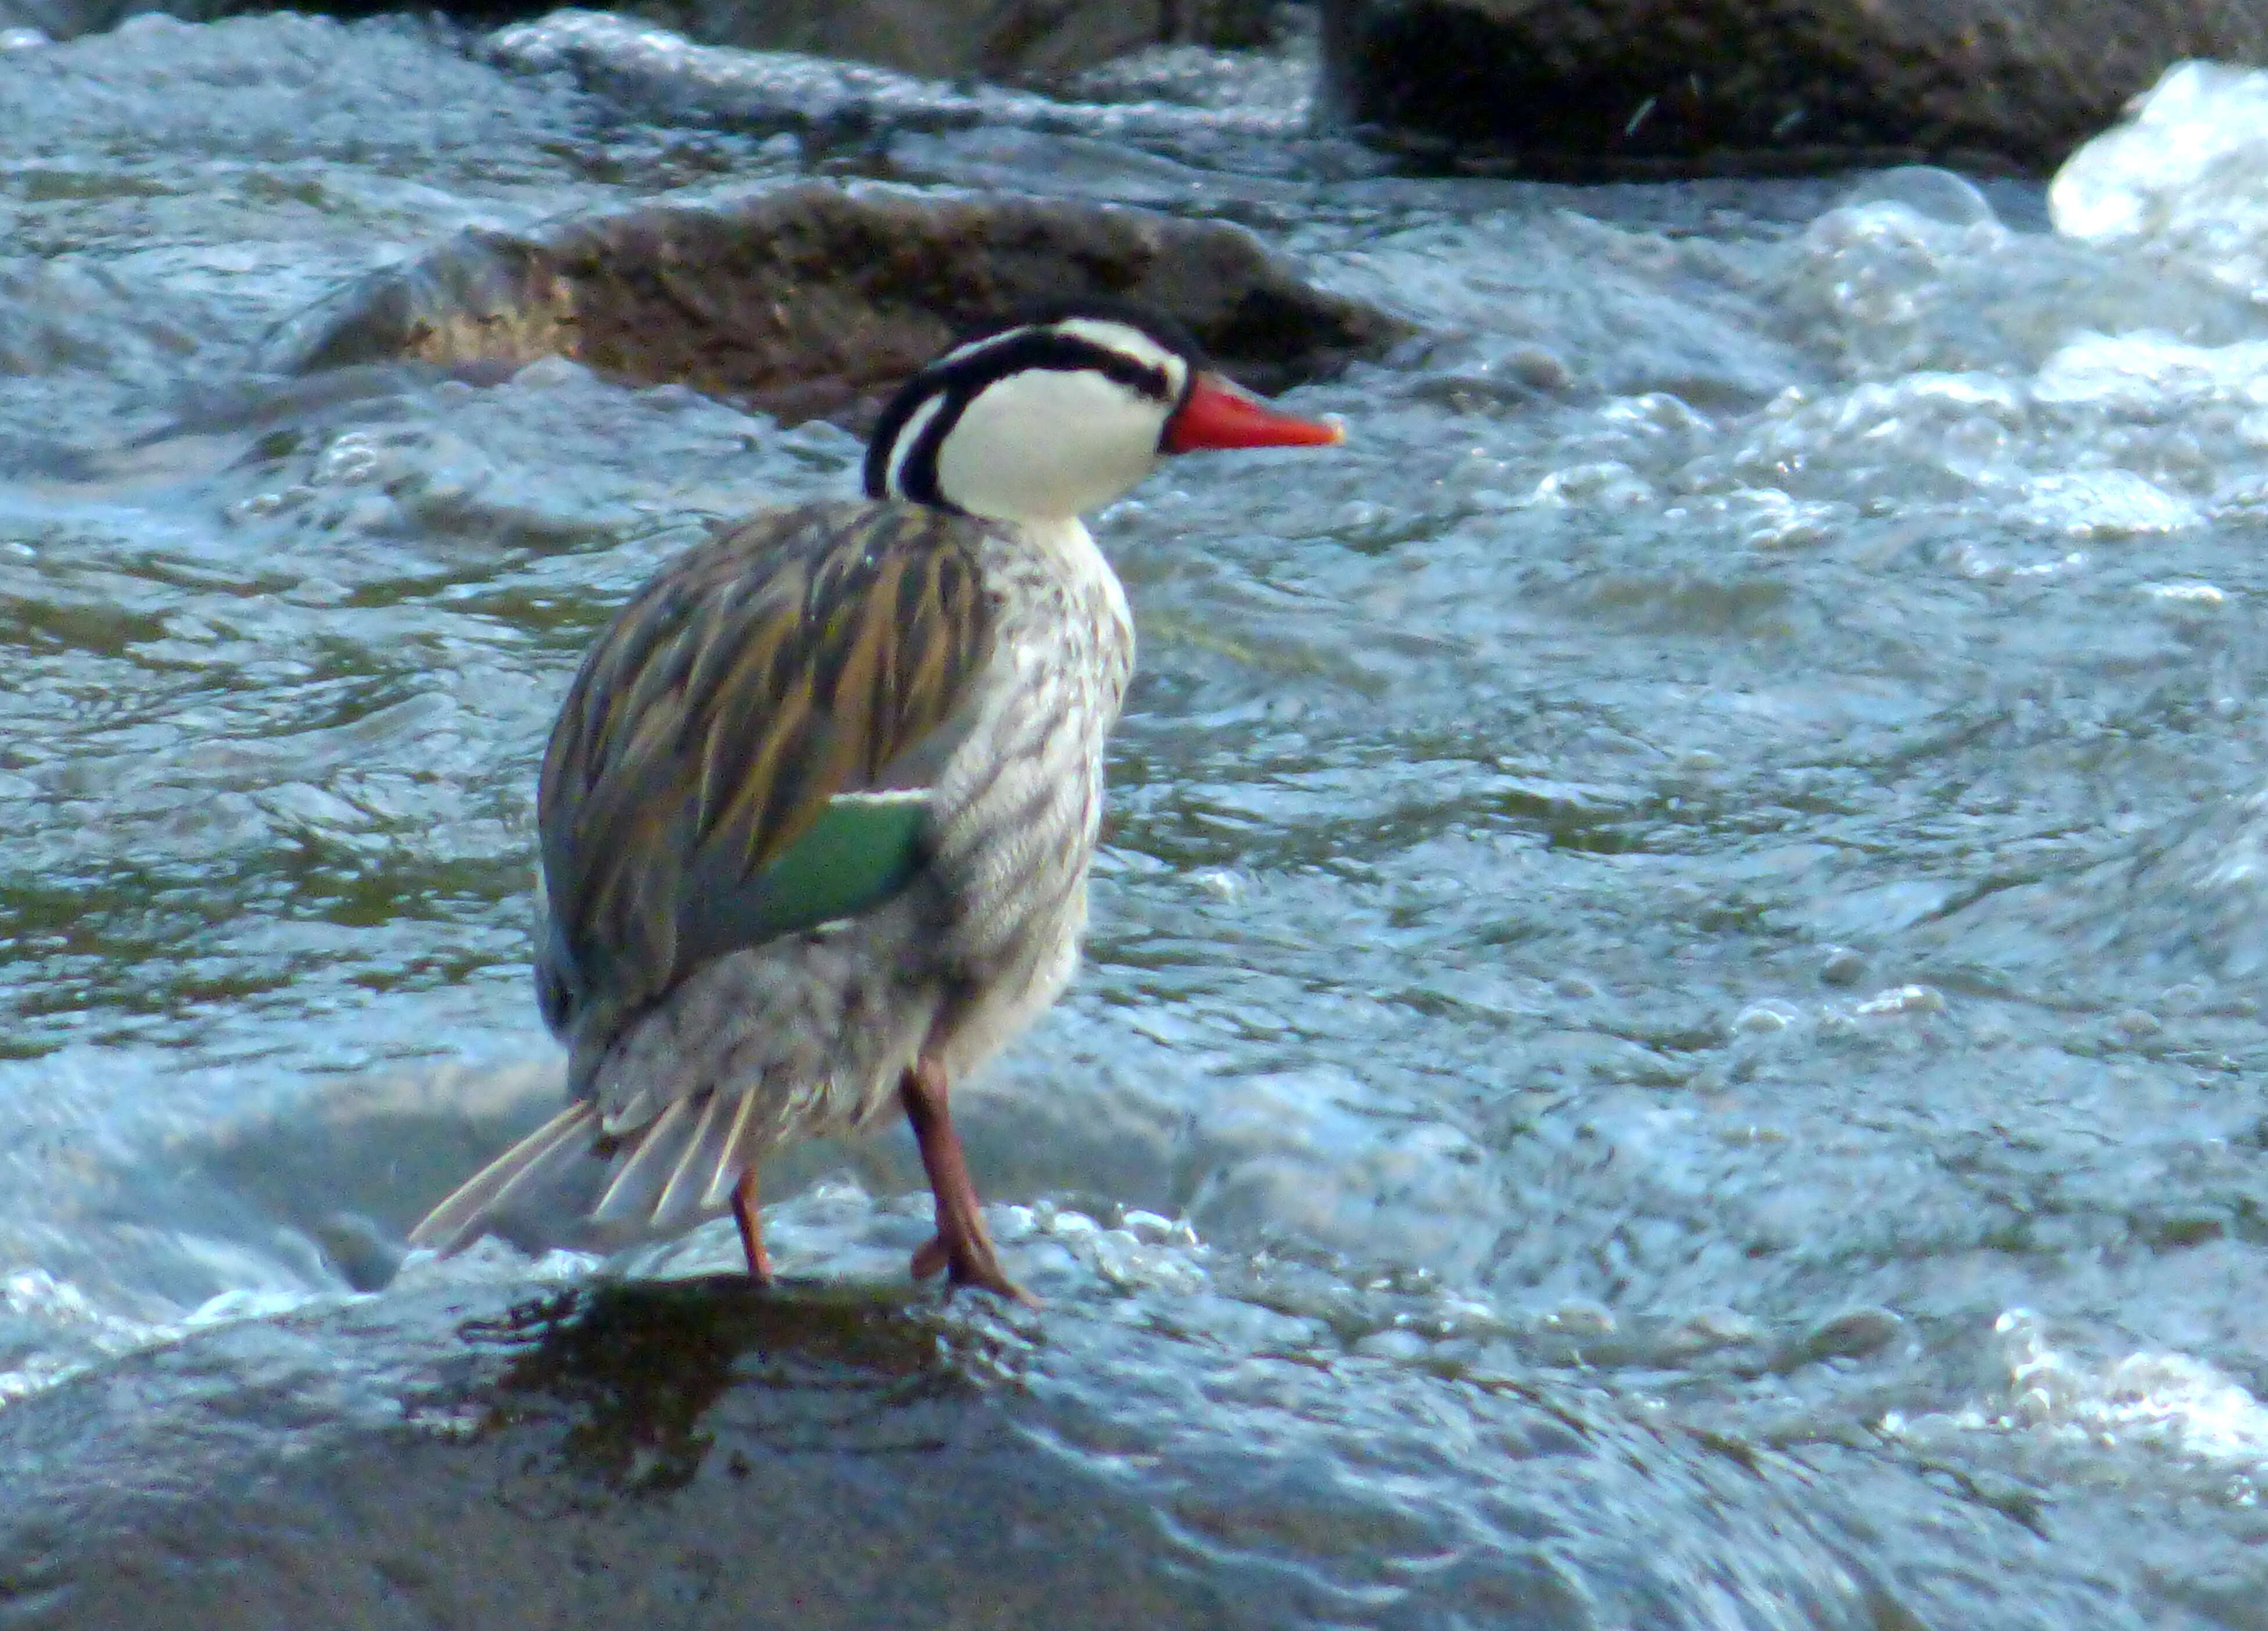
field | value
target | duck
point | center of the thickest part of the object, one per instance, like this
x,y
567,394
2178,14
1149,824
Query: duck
x,y
816,820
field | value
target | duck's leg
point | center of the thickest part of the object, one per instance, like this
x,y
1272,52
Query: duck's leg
x,y
752,1228
963,1246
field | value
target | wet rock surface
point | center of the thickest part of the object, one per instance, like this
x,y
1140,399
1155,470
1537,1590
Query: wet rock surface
x,y
694,1454
1643,87
814,300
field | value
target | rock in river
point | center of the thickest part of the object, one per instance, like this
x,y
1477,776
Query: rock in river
x,y
514,1454
812,301
1018,39
1679,85
996,38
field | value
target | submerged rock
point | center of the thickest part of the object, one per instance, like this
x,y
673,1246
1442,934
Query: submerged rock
x,y
1639,86
808,301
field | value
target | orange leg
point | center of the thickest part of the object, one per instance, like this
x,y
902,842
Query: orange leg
x,y
752,1228
963,1246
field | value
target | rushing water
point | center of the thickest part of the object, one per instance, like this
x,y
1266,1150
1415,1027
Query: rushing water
x,y
1713,859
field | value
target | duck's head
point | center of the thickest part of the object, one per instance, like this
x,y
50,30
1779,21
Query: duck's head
x,y
1057,413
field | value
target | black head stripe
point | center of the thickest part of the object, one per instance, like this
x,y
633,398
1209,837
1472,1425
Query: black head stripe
x,y
884,441
1161,330
917,471
1026,348
956,381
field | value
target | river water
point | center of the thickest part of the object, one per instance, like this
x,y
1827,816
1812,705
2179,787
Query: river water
x,y
1711,865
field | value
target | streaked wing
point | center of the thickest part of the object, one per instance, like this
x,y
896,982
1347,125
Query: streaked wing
x,y
712,780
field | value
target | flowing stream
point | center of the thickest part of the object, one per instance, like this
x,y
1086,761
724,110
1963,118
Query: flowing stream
x,y
1711,865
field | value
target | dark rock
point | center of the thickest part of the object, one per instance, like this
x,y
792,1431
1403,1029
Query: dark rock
x,y
1240,120
1000,39
1674,86
695,1454
811,301
1855,1333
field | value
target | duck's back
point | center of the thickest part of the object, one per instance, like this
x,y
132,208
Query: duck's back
x,y
824,794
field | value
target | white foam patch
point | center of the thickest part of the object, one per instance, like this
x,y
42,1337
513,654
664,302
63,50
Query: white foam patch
x,y
2096,1416
2137,374
92,1333
2103,504
490,1261
2186,174
80,1334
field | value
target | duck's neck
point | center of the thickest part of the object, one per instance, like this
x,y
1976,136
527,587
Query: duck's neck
x,y
1060,552
1057,538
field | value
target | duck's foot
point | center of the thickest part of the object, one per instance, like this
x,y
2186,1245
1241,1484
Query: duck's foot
x,y
752,1228
963,1246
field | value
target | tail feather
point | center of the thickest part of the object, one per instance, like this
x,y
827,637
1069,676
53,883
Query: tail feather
x,y
680,1203
574,1146
457,1221
731,1161
679,1168
642,1167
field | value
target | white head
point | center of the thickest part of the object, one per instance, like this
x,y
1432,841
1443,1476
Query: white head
x,y
1050,417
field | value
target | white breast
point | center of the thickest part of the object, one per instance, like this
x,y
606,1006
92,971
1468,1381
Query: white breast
x,y
1020,804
